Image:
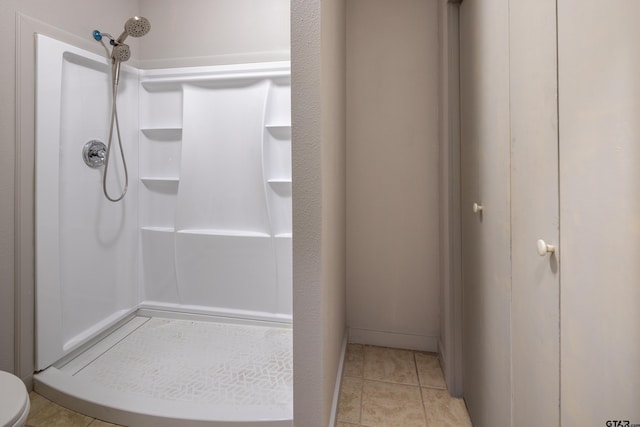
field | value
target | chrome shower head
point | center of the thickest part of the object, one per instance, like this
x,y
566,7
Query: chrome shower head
x,y
137,26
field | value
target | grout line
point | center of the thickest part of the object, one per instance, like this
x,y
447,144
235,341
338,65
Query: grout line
x,y
390,382
422,400
415,365
362,386
361,399
415,368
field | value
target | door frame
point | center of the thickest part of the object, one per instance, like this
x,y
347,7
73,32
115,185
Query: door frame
x,y
450,345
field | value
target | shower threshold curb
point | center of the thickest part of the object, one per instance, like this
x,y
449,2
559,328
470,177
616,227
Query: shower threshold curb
x,y
120,408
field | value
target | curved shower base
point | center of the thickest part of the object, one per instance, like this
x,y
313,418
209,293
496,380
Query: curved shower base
x,y
168,372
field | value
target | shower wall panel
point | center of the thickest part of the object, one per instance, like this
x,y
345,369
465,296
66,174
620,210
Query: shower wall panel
x,y
86,246
215,199
221,182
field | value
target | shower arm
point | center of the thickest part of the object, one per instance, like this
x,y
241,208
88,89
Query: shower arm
x,y
112,40
98,35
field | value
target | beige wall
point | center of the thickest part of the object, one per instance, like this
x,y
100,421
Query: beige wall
x,y
209,32
333,107
393,272
318,204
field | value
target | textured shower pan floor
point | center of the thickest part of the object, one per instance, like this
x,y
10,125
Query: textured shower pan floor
x,y
167,372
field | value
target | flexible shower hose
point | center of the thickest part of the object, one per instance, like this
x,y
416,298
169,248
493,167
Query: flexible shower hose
x,y
114,119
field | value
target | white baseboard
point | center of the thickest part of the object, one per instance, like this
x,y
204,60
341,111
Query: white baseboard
x,y
393,339
336,390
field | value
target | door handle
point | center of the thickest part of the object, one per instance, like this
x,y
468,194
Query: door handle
x,y
477,208
544,248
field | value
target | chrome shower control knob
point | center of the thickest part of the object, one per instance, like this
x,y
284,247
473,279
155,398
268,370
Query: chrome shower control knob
x,y
94,153
477,208
544,249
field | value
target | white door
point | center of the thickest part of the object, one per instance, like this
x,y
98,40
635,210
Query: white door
x,y
599,106
535,316
486,280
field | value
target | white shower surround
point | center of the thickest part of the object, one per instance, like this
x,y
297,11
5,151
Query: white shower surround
x,y
216,182
206,225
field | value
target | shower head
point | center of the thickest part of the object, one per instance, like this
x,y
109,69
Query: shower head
x,y
137,26
120,54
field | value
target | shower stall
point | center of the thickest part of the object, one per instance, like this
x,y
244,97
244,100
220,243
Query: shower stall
x,y
173,305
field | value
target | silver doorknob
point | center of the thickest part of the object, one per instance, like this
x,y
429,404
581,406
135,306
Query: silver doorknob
x,y
477,208
544,249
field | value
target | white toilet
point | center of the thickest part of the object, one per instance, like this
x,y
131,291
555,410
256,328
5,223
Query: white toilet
x,y
14,401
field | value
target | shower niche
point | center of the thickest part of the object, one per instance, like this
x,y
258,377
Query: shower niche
x,y
215,193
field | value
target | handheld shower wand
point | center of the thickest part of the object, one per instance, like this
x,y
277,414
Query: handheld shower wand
x,y
134,27
120,53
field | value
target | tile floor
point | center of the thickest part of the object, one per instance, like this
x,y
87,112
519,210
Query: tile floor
x,y
385,387
381,387
45,413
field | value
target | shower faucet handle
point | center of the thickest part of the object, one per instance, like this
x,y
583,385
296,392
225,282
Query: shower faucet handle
x,y
477,208
94,153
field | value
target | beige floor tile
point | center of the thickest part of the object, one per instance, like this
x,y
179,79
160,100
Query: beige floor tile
x,y
443,410
98,423
350,400
391,405
45,413
388,364
429,370
339,424
354,361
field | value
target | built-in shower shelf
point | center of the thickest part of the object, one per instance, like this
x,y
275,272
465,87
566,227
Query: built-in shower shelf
x,y
158,179
217,232
278,125
284,236
163,134
279,131
281,186
159,229
162,86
